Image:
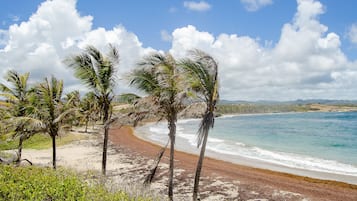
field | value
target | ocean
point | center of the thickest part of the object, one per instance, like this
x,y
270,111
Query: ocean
x,y
322,142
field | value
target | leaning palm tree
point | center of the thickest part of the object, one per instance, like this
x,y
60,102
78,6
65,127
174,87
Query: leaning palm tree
x,y
97,72
158,76
51,110
17,119
202,73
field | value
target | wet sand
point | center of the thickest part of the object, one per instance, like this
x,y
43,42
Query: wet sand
x,y
250,183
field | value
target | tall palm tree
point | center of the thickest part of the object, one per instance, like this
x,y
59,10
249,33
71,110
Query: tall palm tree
x,y
17,97
202,75
51,110
97,72
158,75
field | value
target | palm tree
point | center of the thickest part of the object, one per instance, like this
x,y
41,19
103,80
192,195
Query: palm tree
x,y
88,108
17,97
74,99
158,75
51,110
202,75
97,72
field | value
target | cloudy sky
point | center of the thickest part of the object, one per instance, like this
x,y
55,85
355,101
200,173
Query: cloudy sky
x,y
266,49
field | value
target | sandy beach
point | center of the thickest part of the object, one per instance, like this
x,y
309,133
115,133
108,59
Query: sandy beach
x,y
129,159
246,182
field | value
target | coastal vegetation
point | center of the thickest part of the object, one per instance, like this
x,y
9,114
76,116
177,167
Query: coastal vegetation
x,y
36,183
97,72
42,108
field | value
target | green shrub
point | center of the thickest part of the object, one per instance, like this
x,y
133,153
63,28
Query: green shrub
x,y
39,141
35,183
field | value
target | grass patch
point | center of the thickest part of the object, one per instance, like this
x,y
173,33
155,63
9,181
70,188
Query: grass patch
x,y
35,183
41,141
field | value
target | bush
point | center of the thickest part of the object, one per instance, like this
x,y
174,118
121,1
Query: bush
x,y
35,183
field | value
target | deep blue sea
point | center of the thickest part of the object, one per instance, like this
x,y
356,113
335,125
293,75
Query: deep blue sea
x,y
325,142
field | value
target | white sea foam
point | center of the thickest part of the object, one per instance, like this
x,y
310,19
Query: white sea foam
x,y
284,159
214,140
182,121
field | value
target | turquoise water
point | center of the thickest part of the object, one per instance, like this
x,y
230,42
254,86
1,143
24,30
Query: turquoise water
x,y
325,142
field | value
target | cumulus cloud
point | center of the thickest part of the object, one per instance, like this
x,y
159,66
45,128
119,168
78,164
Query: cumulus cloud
x,y
254,5
55,31
352,33
197,6
306,62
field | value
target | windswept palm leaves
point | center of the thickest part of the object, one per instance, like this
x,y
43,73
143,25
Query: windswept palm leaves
x,y
97,72
158,75
202,72
51,110
18,117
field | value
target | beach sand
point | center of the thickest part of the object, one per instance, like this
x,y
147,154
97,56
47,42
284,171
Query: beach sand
x,y
228,181
130,158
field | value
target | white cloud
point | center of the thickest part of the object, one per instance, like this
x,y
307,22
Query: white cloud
x,y
254,5
55,31
306,62
352,33
197,6
165,36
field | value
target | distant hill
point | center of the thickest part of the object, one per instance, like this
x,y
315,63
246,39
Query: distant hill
x,y
296,102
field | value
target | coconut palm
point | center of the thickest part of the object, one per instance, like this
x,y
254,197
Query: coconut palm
x,y
97,72
158,75
51,110
202,73
18,118
74,100
88,108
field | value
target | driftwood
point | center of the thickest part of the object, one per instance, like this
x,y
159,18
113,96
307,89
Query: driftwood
x,y
16,160
151,175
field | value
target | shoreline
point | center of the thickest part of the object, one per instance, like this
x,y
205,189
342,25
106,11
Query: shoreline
x,y
141,132
258,179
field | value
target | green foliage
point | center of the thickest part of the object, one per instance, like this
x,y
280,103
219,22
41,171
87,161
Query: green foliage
x,y
252,108
34,183
39,141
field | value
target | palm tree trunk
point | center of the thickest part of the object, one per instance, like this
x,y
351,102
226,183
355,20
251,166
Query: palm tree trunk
x,y
87,120
53,151
105,143
105,148
199,166
21,140
172,127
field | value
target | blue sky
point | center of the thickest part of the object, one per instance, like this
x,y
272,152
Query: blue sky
x,y
267,49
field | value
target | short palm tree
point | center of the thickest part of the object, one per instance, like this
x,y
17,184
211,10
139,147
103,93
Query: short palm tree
x,y
18,116
202,73
158,76
88,108
50,109
97,72
74,100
